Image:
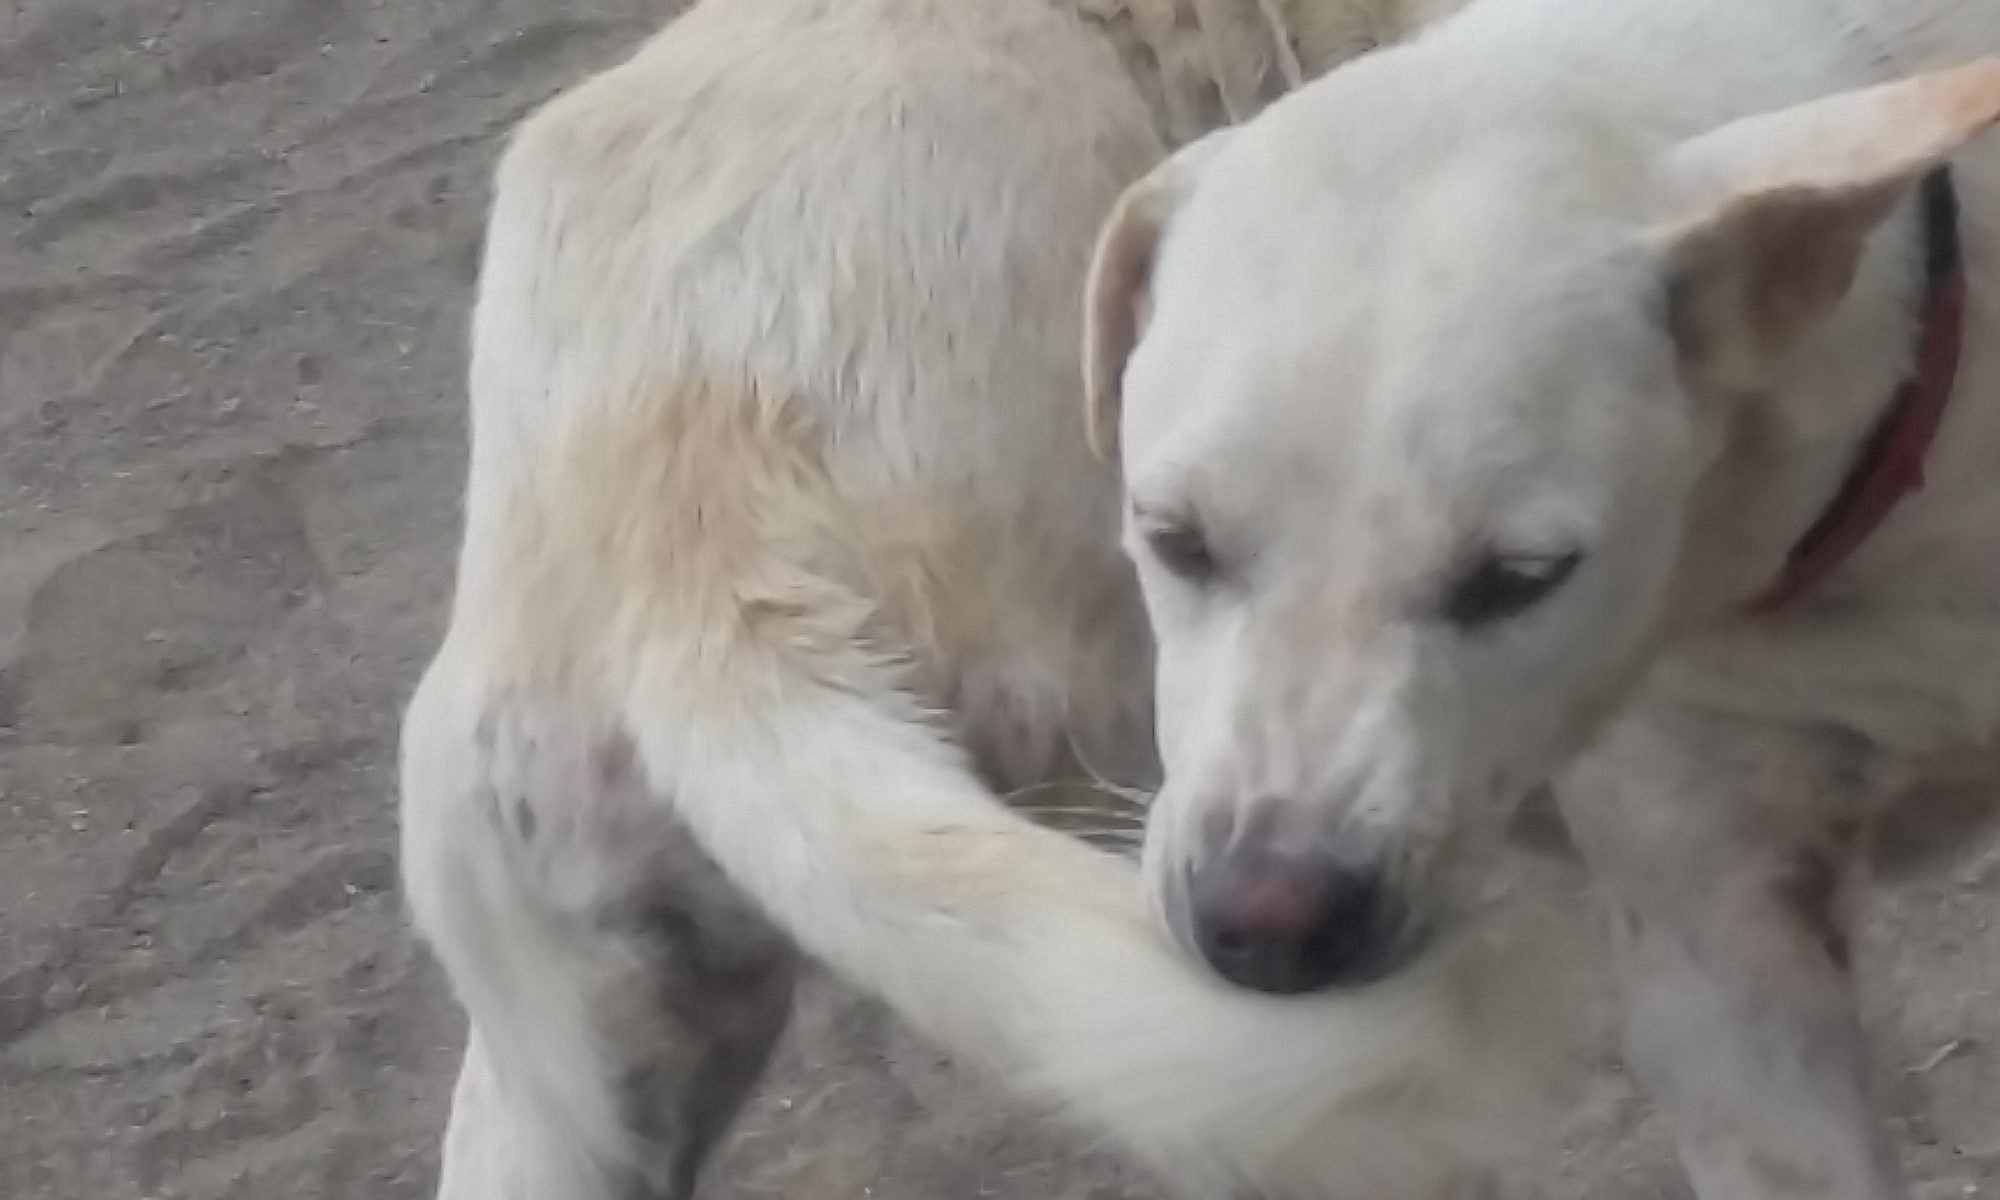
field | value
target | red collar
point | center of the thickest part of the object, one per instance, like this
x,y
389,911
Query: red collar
x,y
1891,465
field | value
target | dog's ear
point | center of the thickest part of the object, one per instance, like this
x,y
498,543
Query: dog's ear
x,y
1118,293
1249,55
1115,298
1776,210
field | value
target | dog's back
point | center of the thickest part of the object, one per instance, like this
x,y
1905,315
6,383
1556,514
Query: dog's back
x,y
866,229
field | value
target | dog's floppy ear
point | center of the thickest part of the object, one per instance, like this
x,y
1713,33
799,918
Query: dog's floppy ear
x,y
1117,294
1776,210
1250,55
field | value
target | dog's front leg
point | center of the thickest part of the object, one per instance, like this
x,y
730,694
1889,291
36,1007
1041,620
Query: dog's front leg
x,y
1722,853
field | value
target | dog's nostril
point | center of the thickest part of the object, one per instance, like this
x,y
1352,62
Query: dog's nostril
x,y
1271,904
1287,926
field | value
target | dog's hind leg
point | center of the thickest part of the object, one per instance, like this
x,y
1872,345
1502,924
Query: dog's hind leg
x,y
1719,848
623,998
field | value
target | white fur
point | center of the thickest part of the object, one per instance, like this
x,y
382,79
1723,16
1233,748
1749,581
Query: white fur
x,y
779,496
1485,293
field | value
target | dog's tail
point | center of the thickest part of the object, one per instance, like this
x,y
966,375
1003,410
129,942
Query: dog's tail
x,y
843,810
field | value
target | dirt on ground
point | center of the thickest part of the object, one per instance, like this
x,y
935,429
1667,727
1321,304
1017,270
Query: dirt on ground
x,y
238,240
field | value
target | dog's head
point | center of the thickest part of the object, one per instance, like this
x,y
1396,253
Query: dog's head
x,y
1436,418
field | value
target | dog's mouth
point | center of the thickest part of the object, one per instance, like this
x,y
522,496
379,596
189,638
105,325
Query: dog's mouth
x,y
1539,827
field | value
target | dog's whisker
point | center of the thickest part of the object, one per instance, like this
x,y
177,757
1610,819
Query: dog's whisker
x,y
1112,819
1139,797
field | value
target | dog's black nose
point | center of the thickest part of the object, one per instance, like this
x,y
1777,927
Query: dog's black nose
x,y
1289,925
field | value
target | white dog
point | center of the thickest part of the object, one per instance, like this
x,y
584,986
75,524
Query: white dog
x,y
782,532
1545,400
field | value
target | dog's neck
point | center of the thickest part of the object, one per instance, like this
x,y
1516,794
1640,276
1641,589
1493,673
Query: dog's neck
x,y
1889,467
1203,64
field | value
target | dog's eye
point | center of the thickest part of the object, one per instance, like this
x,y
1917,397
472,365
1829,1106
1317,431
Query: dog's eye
x,y
1182,550
1504,586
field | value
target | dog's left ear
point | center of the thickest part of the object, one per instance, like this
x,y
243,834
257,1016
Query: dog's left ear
x,y
1118,292
1776,210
